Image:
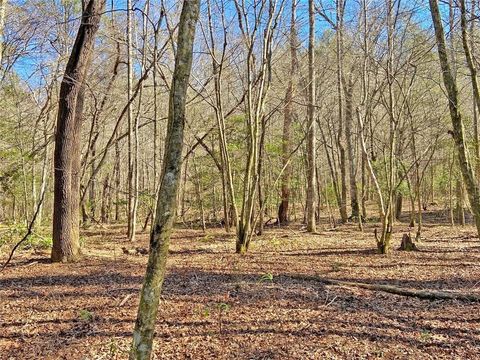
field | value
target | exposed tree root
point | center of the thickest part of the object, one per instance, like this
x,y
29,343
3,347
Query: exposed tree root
x,y
418,293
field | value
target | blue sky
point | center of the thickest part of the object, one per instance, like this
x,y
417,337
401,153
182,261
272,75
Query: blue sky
x,y
26,65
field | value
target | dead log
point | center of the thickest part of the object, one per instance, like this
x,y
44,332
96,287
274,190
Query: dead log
x,y
417,293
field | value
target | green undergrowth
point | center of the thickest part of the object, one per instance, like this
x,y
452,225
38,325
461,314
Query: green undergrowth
x,y
11,234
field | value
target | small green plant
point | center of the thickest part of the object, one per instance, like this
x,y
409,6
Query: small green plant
x,y
425,335
13,233
266,277
86,315
223,307
275,242
36,241
113,347
203,311
208,239
82,241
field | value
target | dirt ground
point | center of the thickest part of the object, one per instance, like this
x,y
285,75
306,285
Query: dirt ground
x,y
219,305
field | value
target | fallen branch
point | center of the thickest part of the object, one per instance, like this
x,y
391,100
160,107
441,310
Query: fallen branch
x,y
421,294
125,299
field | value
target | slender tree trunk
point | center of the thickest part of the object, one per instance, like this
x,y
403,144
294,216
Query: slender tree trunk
x,y
350,148
384,241
66,246
340,4
364,187
199,191
105,208
310,211
43,183
166,207
117,180
91,188
26,215
418,182
460,209
260,176
283,214
458,132
231,213
256,94
3,5
132,138
468,50
450,189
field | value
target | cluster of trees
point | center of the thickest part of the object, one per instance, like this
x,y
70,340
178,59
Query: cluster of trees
x,y
276,111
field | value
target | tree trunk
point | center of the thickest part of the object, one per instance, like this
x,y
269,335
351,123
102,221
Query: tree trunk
x,y
198,189
3,5
283,215
364,186
105,209
384,241
260,176
473,76
460,209
350,148
340,5
117,180
231,214
43,184
66,245
166,206
456,117
310,213
132,138
257,83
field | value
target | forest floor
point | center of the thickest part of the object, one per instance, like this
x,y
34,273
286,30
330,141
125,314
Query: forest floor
x,y
219,305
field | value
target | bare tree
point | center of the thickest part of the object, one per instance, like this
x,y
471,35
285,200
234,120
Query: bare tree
x,y
166,206
257,84
311,156
468,44
458,131
66,246
283,210
132,134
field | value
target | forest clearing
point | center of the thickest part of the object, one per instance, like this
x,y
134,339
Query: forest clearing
x,y
239,179
216,305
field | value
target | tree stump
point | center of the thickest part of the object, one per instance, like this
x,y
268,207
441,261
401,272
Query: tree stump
x,y
407,244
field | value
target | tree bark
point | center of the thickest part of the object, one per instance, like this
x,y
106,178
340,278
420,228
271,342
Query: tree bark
x,y
66,245
166,202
